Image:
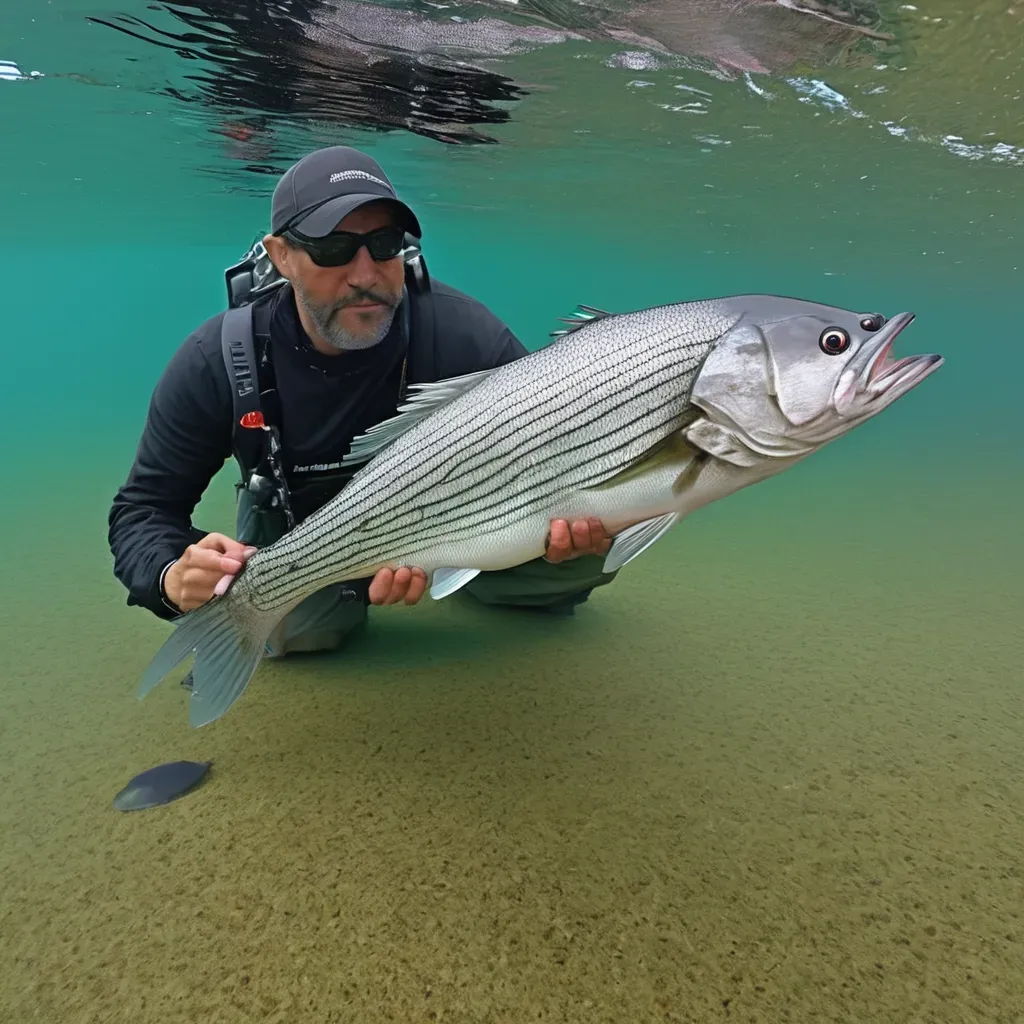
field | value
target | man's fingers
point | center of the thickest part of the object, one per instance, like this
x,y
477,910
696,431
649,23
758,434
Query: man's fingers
x,y
389,586
205,569
238,554
559,541
230,566
399,581
199,585
600,540
217,542
201,560
225,545
209,560
561,534
581,535
380,586
417,586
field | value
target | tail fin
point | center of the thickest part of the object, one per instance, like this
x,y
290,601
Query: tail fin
x,y
228,637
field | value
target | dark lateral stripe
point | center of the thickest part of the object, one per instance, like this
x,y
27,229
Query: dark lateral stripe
x,y
431,487
522,500
443,504
497,456
354,549
541,392
500,460
419,534
582,414
322,572
476,519
473,450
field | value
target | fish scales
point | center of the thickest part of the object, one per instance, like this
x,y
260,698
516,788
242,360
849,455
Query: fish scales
x,y
511,412
474,486
536,385
622,399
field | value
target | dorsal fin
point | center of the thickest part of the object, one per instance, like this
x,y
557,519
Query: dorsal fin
x,y
422,401
582,316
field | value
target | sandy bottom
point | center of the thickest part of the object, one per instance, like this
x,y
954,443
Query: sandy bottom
x,y
772,774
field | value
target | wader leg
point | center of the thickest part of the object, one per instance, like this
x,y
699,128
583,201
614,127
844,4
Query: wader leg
x,y
556,589
323,622
325,619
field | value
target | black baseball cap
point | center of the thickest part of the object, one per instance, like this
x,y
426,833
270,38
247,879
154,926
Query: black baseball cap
x,y
314,194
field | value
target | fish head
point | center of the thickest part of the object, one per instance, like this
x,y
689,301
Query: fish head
x,y
789,376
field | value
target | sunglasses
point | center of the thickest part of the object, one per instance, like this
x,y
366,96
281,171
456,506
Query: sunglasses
x,y
340,247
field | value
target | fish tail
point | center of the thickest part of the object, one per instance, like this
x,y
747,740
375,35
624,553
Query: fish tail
x,y
228,637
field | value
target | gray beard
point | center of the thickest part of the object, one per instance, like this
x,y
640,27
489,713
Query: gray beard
x,y
322,315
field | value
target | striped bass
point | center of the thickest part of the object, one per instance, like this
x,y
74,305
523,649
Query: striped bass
x,y
637,419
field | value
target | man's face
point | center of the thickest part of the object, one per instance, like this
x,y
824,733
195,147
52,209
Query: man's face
x,y
351,306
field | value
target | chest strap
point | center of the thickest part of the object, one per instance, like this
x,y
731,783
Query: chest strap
x,y
256,443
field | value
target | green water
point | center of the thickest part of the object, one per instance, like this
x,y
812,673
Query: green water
x,y
772,773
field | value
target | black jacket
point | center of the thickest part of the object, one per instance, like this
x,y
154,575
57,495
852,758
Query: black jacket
x,y
325,401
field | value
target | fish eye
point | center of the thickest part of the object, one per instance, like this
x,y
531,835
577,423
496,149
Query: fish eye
x,y
833,341
873,322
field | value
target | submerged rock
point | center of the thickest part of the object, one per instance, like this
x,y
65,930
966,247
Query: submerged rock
x,y
161,785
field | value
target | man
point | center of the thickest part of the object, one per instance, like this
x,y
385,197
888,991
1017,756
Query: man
x,y
335,346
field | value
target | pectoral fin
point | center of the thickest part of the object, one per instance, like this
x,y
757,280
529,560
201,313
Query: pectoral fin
x,y
639,537
447,581
722,443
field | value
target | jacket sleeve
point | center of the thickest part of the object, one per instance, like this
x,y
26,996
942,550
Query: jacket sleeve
x,y
184,443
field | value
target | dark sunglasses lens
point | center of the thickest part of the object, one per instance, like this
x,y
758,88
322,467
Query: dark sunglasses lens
x,y
338,249
385,244
333,251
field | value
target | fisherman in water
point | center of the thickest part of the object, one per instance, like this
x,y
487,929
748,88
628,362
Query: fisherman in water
x,y
335,346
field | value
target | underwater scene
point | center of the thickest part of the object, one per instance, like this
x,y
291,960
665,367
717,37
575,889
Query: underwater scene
x,y
752,756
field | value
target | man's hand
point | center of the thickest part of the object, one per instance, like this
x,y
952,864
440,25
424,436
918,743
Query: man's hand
x,y
584,537
390,586
205,569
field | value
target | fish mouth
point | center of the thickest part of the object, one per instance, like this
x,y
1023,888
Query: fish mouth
x,y
874,378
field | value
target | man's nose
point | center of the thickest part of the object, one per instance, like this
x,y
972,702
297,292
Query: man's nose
x,y
362,269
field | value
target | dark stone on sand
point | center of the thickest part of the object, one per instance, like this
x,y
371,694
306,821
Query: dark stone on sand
x,y
160,785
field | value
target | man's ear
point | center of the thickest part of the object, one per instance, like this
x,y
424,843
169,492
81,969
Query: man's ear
x,y
279,253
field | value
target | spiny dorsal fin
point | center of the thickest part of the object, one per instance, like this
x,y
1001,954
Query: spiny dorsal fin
x,y
582,316
422,401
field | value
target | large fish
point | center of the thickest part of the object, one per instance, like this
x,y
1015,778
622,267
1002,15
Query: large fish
x,y
638,419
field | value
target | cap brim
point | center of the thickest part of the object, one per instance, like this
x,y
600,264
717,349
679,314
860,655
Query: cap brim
x,y
324,219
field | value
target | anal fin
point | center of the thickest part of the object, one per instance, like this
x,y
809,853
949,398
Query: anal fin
x,y
447,581
638,538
